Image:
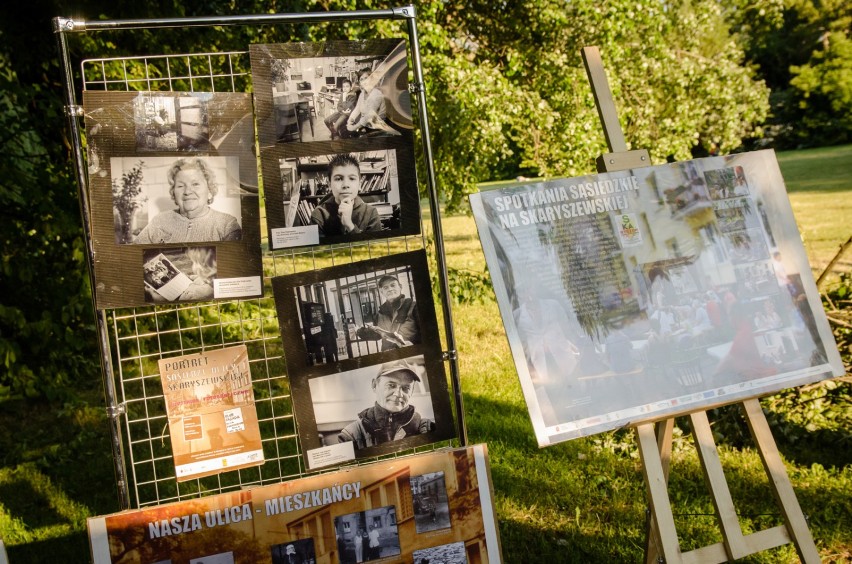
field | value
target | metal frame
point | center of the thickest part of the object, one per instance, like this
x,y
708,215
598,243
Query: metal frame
x,y
132,340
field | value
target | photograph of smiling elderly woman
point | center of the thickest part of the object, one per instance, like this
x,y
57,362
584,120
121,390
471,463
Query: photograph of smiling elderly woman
x,y
193,187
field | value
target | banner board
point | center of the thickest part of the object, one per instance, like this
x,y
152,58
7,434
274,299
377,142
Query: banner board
x,y
648,293
420,507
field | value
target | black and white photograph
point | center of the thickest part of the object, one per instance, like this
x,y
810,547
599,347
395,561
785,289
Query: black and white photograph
x,y
430,501
367,535
189,199
367,192
453,553
746,246
169,170
707,309
374,405
310,92
363,355
172,122
179,274
294,552
344,193
736,214
756,279
354,310
358,315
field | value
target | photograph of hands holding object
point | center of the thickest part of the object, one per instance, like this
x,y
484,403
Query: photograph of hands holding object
x,y
396,323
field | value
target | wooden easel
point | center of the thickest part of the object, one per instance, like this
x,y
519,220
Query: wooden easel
x,y
655,439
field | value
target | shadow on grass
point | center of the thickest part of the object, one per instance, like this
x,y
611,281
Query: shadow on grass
x,y
584,500
68,444
22,501
561,503
69,548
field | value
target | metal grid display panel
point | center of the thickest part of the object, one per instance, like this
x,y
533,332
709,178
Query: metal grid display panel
x,y
139,337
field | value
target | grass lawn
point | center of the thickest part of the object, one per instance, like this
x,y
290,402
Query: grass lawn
x,y
581,501
819,182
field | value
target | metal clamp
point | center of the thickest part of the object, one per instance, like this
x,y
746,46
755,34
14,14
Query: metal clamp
x,y
405,11
76,111
67,24
450,355
115,411
416,87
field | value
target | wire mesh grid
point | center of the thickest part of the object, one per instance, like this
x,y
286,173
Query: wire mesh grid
x,y
140,337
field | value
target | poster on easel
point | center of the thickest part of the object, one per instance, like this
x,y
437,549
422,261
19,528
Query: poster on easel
x,y
213,424
433,507
636,295
172,180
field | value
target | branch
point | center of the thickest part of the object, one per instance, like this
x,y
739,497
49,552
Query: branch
x,y
836,321
833,261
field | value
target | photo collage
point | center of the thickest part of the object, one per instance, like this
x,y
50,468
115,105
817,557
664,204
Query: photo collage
x,y
175,208
176,218
362,351
653,291
336,141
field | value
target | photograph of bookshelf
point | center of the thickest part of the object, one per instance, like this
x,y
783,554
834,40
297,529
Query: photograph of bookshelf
x,y
306,183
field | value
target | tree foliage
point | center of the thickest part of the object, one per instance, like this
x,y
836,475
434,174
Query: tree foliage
x,y
801,48
823,91
505,87
511,77
46,331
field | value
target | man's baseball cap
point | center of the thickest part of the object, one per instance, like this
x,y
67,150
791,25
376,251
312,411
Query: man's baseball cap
x,y
398,366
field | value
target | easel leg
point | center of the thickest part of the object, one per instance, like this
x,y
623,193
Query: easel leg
x,y
797,527
664,431
663,526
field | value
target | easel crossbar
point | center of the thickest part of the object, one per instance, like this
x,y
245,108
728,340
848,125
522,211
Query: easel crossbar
x,y
655,448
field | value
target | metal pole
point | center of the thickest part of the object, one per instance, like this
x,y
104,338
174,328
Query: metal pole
x,y
69,25
114,409
440,256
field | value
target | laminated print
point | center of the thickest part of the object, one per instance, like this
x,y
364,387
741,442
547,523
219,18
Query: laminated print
x,y
168,170
367,192
363,356
213,422
636,295
453,553
362,514
349,311
431,509
374,534
331,91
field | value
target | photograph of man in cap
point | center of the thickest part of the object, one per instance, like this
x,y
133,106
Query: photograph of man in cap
x,y
397,322
391,417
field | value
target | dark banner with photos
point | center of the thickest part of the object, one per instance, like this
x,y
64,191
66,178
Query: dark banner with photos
x,y
336,136
435,507
174,197
364,359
